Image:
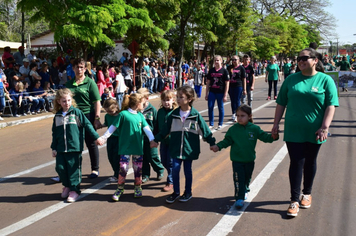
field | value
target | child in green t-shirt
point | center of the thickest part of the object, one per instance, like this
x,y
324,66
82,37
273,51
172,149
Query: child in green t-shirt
x,y
130,123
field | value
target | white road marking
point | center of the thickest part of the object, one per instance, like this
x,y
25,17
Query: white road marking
x,y
37,168
49,210
229,220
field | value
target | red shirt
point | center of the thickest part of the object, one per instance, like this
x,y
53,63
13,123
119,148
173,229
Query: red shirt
x,y
60,61
7,56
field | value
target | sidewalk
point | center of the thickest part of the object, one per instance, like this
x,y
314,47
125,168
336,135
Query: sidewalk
x,y
12,121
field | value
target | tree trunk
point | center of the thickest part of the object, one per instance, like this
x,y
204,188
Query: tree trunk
x,y
23,29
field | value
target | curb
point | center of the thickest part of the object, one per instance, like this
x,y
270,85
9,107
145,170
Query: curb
x,y
24,121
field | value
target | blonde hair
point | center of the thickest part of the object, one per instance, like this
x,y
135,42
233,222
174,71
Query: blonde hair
x,y
144,92
131,101
20,84
59,94
218,57
168,94
110,104
88,66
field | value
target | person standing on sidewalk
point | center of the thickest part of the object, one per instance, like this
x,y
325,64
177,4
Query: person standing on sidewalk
x,y
309,98
87,97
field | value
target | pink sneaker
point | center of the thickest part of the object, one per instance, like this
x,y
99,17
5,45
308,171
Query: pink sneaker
x,y
73,196
65,192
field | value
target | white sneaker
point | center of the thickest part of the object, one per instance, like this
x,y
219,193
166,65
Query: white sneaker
x,y
73,196
233,117
219,127
1,118
211,127
56,179
113,179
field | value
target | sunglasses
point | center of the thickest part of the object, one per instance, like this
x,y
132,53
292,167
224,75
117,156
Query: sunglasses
x,y
233,59
303,58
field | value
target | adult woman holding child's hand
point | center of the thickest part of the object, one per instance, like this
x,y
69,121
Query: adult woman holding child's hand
x,y
310,97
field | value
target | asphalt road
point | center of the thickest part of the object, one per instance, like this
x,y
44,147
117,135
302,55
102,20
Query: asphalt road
x,y
30,203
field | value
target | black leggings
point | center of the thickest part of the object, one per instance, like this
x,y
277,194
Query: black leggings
x,y
270,87
92,147
302,161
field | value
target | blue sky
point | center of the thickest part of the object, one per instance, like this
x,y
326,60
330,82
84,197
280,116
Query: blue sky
x,y
344,12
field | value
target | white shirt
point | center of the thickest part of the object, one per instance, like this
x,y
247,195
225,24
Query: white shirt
x,y
184,114
121,87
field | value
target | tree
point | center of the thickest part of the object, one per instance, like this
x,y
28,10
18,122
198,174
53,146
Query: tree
x,y
85,23
304,11
195,14
11,22
237,33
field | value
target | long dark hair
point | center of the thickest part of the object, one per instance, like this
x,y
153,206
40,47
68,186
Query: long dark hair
x,y
313,53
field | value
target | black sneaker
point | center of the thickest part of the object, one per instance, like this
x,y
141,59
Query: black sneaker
x,y
185,197
172,198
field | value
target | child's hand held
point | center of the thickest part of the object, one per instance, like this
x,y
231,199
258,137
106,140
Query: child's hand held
x,y
153,144
214,148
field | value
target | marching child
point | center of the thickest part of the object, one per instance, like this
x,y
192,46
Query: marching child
x,y
130,124
150,155
68,130
184,124
112,111
168,105
242,137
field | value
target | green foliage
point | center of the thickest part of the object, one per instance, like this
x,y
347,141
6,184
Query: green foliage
x,y
90,23
11,22
238,30
277,34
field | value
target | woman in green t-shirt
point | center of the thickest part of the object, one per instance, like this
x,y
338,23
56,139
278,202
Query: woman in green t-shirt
x,y
272,76
310,98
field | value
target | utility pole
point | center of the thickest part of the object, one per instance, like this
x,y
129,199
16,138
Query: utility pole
x,y
337,47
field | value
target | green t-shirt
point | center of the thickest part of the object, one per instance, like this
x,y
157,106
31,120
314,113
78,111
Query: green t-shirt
x,y
344,65
272,71
130,128
85,94
109,120
286,68
306,98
